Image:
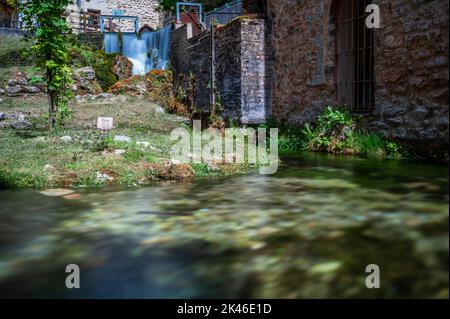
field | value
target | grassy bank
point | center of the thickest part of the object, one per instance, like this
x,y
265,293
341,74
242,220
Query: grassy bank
x,y
31,158
336,131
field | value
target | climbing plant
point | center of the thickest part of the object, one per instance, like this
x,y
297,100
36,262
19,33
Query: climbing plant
x,y
48,31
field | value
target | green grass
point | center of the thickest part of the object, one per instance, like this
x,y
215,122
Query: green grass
x,y
23,155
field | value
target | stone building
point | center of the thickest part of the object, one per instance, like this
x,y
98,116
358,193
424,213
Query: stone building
x,y
81,10
396,76
320,52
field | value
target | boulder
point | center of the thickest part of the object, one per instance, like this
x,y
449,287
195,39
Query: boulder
x,y
122,67
2,91
87,73
31,89
21,125
135,86
22,81
13,90
85,82
2,115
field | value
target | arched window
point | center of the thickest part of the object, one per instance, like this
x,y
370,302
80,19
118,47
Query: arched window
x,y
354,56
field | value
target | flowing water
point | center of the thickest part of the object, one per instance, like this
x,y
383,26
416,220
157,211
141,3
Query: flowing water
x,y
308,231
147,51
112,42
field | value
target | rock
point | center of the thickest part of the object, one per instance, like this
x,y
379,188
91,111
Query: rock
x,y
86,73
31,89
101,177
57,192
143,144
12,82
173,162
159,109
122,67
85,81
2,91
326,267
106,96
181,171
122,138
22,81
135,86
2,115
48,167
119,152
66,139
17,116
21,125
212,167
13,90
1,100
95,97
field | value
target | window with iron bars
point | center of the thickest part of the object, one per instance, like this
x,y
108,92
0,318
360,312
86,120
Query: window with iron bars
x,y
354,56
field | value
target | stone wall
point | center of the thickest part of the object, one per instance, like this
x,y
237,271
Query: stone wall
x,y
92,40
144,9
411,65
241,65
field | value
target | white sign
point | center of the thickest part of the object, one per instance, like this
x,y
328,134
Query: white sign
x,y
105,123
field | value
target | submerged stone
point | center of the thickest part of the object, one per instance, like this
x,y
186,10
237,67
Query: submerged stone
x,y
56,192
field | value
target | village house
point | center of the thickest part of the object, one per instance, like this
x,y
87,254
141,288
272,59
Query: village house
x,y
290,59
84,15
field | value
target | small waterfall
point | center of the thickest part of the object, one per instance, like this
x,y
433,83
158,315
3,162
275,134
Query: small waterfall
x,y
111,42
148,52
135,49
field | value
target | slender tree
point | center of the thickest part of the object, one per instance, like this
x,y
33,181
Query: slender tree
x,y
46,23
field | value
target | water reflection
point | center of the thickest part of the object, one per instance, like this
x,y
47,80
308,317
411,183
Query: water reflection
x,y
308,231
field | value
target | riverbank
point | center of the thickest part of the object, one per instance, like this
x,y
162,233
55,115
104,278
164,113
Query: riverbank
x,y
135,152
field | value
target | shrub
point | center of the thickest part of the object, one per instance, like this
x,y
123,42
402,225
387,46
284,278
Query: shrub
x,y
15,52
101,62
335,132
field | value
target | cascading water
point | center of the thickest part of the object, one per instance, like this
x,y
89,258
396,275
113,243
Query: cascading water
x,y
135,49
148,51
111,42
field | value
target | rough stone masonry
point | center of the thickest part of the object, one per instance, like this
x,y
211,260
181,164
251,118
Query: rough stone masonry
x,y
410,67
145,10
242,68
